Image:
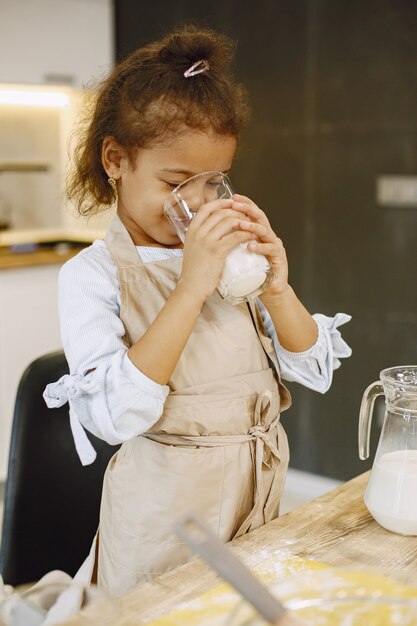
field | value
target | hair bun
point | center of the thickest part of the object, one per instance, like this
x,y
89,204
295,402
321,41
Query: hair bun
x,y
192,43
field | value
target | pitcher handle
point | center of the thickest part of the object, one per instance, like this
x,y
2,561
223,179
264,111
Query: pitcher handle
x,y
365,417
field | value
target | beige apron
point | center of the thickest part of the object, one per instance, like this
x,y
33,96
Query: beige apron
x,y
218,449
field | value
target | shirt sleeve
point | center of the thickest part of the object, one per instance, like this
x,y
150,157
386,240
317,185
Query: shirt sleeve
x,y
312,368
107,394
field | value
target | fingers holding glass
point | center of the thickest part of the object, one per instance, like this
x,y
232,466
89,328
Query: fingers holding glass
x,y
208,219
246,205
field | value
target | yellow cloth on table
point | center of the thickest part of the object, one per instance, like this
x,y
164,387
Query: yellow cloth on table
x,y
296,578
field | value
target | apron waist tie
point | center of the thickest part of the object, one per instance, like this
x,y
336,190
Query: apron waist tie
x,y
199,441
265,450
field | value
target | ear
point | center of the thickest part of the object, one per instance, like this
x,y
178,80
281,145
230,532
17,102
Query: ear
x,y
113,157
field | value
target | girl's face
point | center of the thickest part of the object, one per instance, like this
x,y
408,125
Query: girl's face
x,y
143,189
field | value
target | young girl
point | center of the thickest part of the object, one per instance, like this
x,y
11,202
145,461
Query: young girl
x,y
190,384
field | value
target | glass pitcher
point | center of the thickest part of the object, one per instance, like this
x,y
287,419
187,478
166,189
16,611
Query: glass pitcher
x,y
391,494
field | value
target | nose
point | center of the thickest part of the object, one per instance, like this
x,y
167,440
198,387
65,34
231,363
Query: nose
x,y
200,194
195,197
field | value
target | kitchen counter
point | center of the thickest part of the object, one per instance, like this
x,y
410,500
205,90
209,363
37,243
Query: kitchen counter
x,y
335,529
51,246
41,256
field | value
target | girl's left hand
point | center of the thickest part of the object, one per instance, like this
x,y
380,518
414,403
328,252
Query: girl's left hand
x,y
267,243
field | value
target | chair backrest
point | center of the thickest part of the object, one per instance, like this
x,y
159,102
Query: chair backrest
x,y
52,502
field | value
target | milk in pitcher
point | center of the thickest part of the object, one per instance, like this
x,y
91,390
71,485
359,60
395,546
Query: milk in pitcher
x,y
391,495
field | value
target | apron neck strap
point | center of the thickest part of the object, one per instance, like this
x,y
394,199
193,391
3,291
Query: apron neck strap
x,y
120,244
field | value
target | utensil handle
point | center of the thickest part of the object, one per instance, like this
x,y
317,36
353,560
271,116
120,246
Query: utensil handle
x,y
205,543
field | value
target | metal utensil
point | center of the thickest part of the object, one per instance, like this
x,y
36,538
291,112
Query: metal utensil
x,y
205,543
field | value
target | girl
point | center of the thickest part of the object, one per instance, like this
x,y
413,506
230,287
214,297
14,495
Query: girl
x,y
190,384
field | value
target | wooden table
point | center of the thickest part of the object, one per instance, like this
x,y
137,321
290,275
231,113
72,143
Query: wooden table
x,y
335,529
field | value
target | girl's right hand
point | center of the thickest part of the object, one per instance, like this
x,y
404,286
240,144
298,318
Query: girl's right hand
x,y
213,233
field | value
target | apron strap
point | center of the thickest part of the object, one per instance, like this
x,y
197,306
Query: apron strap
x,y
267,345
120,245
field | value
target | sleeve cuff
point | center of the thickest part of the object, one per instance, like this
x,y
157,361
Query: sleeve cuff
x,y
146,384
327,329
314,367
315,349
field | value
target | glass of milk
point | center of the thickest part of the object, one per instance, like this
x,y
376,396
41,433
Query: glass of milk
x,y
245,274
391,494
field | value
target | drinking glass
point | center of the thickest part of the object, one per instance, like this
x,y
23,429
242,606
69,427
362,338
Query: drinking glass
x,y
246,274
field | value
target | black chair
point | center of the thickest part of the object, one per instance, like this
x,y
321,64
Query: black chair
x,y
52,502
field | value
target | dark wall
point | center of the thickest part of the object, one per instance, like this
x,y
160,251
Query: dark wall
x,y
334,92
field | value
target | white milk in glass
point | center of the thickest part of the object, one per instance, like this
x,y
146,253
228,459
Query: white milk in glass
x,y
391,495
243,273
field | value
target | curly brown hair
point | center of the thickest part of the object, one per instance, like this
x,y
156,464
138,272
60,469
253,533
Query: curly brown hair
x,y
147,98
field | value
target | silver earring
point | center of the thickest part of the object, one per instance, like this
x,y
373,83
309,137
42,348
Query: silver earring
x,y
111,182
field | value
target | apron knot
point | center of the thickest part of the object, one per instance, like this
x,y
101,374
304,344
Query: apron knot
x,y
258,431
266,448
266,456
